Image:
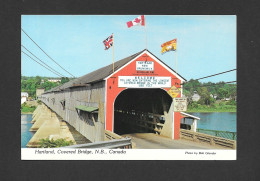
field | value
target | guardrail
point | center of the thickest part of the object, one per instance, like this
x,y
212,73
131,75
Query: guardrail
x,y
223,134
212,140
124,143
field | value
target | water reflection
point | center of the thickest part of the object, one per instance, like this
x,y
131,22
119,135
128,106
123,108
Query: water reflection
x,y
26,124
222,121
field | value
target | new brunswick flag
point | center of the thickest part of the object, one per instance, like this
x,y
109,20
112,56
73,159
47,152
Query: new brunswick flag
x,y
169,46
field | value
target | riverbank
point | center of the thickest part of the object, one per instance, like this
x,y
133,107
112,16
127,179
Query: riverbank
x,y
27,109
225,108
26,112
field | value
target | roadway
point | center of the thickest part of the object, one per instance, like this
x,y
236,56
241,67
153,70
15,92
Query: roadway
x,y
153,141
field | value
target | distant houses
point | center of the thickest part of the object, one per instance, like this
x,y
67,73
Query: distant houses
x,y
51,80
213,96
24,97
54,80
195,97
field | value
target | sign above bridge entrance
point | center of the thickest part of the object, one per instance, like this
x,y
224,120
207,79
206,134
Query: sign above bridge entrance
x,y
144,65
144,81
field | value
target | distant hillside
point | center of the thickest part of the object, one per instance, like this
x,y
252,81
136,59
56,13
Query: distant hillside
x,y
210,93
30,84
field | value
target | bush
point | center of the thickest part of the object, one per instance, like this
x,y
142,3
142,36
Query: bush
x,y
26,108
214,106
221,104
47,143
231,102
39,101
194,105
212,100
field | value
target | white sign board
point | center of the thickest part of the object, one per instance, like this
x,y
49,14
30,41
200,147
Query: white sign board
x,y
144,81
179,104
144,66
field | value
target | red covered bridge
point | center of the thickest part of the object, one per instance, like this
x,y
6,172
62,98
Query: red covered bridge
x,y
133,99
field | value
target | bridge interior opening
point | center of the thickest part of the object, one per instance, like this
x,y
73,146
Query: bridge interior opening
x,y
140,111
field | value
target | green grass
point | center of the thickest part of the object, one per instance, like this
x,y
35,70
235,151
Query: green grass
x,y
47,143
27,109
214,108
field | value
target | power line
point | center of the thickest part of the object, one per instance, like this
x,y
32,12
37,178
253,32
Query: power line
x,y
43,62
210,76
216,74
46,53
40,63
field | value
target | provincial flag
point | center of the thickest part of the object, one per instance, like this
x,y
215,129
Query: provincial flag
x,y
137,21
169,46
108,42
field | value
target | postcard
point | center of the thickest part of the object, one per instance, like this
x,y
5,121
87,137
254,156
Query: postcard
x,y
128,87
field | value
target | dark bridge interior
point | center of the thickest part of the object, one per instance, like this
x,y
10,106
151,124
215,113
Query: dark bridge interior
x,y
140,111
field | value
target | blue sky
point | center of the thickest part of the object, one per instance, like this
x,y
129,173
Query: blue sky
x,y
205,44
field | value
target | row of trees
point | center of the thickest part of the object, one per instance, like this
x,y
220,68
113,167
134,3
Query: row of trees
x,y
206,90
30,84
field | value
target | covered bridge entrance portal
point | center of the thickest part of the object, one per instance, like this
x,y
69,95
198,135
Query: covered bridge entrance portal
x,y
141,111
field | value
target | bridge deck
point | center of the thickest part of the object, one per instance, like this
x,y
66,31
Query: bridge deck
x,y
153,141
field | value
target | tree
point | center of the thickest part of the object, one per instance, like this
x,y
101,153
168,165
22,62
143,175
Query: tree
x,y
38,80
222,93
30,84
188,96
64,80
204,95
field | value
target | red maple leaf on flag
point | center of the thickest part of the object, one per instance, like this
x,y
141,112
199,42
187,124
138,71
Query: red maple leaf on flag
x,y
137,20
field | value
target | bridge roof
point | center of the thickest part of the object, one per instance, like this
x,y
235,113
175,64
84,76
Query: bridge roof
x,y
99,74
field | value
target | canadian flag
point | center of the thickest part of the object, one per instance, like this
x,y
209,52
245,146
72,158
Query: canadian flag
x,y
137,21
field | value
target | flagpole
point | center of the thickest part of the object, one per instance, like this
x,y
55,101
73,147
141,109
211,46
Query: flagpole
x,y
145,36
113,54
176,60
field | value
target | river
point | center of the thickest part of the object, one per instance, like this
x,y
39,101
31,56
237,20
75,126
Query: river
x,y
26,124
221,121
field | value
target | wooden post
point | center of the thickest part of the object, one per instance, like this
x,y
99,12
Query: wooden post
x,y
195,137
212,142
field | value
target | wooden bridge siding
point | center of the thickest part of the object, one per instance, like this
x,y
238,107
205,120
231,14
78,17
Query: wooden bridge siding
x,y
89,96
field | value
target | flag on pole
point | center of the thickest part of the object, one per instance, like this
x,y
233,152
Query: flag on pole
x,y
169,46
137,21
108,42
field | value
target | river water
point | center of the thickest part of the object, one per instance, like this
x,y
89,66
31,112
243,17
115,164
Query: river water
x,y
221,121
26,124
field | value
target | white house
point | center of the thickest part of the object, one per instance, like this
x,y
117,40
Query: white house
x,y
54,80
24,96
213,96
195,97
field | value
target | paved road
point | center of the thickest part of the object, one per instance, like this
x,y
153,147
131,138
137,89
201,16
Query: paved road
x,y
153,141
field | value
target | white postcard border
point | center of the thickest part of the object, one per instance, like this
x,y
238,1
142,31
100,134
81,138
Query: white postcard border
x,y
125,154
